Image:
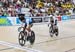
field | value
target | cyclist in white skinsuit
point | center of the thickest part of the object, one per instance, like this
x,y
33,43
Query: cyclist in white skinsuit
x,y
52,20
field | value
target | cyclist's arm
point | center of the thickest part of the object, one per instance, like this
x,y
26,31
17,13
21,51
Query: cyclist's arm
x,y
49,22
55,20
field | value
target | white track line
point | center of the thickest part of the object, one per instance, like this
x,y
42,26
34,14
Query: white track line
x,y
18,47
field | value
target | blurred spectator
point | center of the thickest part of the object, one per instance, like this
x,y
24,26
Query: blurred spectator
x,y
35,7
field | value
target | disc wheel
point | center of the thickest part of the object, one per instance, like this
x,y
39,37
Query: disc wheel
x,y
32,38
56,32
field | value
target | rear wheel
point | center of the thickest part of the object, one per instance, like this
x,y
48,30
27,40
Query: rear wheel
x,y
32,38
56,33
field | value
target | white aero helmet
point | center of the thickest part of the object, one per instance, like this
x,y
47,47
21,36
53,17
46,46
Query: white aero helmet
x,y
51,16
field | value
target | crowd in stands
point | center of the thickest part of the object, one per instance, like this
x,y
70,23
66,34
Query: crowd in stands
x,y
35,7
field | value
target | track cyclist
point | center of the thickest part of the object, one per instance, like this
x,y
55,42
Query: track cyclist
x,y
53,28
52,20
26,23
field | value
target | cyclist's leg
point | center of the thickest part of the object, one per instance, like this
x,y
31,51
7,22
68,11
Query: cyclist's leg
x,y
24,27
56,22
29,27
52,26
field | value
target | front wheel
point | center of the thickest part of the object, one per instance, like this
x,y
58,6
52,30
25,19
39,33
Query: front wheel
x,y
32,38
51,31
22,38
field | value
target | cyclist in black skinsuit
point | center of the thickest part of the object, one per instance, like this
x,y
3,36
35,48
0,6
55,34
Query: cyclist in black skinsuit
x,y
23,20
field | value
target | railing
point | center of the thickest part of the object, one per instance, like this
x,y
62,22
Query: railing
x,y
15,21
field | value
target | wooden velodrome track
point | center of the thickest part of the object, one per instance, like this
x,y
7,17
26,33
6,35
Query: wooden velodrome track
x,y
65,42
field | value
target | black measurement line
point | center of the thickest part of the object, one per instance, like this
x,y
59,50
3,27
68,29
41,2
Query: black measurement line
x,y
55,39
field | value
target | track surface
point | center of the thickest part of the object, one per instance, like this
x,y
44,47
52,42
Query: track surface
x,y
65,42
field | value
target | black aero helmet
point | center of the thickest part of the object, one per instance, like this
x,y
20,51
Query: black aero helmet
x,y
21,16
